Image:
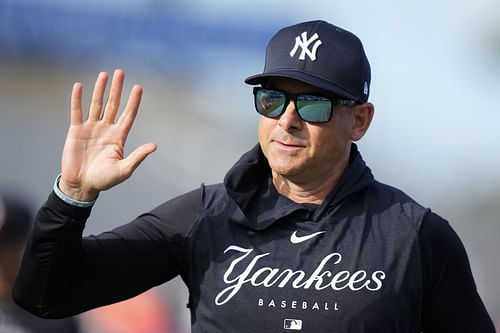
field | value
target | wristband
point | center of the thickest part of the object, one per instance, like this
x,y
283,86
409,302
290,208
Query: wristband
x,y
69,200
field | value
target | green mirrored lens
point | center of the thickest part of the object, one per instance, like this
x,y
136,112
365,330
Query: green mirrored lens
x,y
314,108
270,102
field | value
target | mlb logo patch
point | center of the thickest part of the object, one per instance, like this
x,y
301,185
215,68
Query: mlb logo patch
x,y
292,324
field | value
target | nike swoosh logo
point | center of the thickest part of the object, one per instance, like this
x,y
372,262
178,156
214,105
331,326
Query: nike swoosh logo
x,y
299,239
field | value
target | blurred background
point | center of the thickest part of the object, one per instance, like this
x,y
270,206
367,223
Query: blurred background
x,y
435,86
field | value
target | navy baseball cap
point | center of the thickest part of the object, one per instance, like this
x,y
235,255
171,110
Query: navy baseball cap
x,y
320,54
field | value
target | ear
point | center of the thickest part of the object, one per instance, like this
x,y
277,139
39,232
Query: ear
x,y
362,116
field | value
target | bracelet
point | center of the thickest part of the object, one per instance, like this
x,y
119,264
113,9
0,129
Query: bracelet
x,y
69,200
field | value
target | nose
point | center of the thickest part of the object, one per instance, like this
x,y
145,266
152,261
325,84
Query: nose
x,y
289,119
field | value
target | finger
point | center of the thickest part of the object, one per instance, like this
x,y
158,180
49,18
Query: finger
x,y
97,96
76,104
135,158
128,116
115,95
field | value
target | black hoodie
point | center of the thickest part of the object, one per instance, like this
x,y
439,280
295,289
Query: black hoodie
x,y
368,259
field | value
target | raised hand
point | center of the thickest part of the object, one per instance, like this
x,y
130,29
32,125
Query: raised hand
x,y
93,157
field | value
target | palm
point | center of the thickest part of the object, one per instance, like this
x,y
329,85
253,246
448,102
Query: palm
x,y
93,157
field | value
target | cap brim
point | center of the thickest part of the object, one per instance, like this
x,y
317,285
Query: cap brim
x,y
304,77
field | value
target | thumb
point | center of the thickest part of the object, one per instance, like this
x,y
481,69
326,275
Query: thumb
x,y
136,157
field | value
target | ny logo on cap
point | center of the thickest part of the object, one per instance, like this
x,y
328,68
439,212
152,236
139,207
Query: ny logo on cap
x,y
303,42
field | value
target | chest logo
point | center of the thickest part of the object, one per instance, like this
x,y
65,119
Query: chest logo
x,y
300,239
292,324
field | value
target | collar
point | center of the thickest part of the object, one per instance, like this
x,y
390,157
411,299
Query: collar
x,y
249,184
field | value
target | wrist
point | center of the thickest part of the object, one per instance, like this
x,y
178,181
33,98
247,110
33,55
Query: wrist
x,y
74,197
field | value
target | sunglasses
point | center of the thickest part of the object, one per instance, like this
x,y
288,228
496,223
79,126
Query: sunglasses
x,y
311,108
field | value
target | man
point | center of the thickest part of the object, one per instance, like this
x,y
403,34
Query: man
x,y
15,225
299,236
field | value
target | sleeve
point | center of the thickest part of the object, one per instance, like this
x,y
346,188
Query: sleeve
x,y
63,274
451,301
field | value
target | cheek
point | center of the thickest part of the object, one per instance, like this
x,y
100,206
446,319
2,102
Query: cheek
x,y
264,131
266,126
330,141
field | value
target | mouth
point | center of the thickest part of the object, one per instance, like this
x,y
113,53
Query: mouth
x,y
288,145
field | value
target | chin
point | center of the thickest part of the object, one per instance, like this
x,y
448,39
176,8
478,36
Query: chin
x,y
284,169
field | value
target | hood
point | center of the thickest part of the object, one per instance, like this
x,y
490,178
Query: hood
x,y
249,185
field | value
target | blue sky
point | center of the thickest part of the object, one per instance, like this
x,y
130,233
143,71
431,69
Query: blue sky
x,y
435,68
435,84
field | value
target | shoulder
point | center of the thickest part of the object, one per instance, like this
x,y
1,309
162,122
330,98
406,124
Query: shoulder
x,y
449,288
185,209
388,193
189,201
213,195
437,235
385,199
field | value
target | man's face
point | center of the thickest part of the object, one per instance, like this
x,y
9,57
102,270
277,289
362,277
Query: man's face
x,y
302,151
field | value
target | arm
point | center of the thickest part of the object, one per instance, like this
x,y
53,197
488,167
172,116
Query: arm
x,y
451,302
63,274
92,161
